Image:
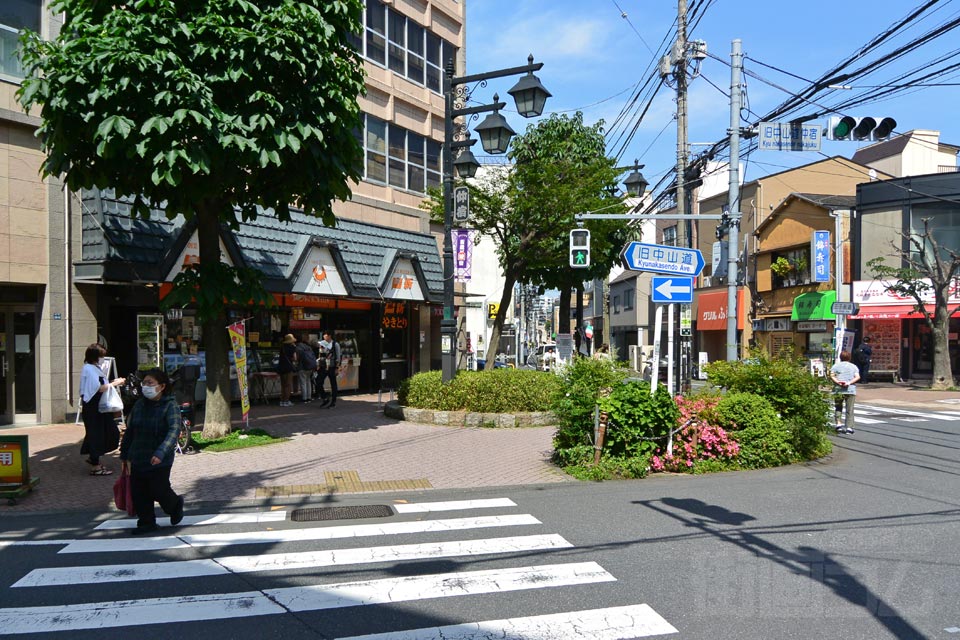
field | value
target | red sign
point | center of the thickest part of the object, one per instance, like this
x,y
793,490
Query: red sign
x,y
712,311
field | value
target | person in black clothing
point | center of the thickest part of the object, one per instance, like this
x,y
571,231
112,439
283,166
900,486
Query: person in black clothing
x,y
864,356
287,368
100,432
332,348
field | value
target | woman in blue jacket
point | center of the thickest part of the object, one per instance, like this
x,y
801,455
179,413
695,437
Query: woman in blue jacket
x,y
147,452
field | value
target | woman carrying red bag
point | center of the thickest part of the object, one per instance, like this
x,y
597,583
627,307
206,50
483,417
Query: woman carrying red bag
x,y
147,452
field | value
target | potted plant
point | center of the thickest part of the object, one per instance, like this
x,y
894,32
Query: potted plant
x,y
781,266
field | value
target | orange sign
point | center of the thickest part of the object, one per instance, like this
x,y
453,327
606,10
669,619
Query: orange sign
x,y
13,468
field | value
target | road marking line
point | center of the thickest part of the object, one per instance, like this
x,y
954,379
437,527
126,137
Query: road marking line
x,y
33,543
938,415
422,507
222,518
861,420
50,576
101,615
293,535
613,623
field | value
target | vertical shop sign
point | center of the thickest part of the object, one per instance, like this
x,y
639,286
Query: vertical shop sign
x,y
13,468
463,254
820,250
238,341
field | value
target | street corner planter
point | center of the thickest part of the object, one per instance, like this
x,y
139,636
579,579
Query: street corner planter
x,y
394,409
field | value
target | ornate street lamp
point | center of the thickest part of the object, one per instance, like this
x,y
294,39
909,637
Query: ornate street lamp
x,y
635,183
495,135
529,94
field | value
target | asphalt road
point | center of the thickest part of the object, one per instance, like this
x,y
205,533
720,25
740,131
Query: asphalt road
x,y
862,545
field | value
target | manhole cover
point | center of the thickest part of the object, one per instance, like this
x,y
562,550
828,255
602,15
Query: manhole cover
x,y
341,513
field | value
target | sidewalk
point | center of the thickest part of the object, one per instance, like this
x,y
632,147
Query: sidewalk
x,y
352,447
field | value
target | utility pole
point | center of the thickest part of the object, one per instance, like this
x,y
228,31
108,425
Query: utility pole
x,y
680,74
733,201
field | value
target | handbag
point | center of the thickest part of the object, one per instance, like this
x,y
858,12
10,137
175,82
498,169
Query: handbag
x,y
110,401
123,493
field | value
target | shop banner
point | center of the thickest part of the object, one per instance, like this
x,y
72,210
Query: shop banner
x,y
13,462
463,254
238,342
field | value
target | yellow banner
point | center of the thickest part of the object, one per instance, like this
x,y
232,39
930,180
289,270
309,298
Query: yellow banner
x,y
238,342
11,464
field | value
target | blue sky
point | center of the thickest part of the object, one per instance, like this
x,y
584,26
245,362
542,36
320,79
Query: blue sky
x,y
594,57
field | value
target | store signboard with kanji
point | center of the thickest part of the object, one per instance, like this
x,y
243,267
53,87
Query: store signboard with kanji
x,y
403,283
13,461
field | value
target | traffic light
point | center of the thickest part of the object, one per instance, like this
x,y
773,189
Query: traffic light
x,y
866,128
579,248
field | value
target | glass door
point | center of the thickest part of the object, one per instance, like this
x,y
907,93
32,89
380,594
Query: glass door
x,y
6,379
18,366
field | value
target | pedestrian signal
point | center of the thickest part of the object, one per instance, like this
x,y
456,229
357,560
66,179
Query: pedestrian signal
x,y
579,248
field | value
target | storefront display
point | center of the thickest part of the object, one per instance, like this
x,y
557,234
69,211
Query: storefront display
x,y
348,375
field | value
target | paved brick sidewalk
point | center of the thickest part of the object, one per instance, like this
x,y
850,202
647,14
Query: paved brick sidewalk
x,y
352,437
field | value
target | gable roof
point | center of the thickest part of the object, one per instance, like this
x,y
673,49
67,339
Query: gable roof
x,y
118,247
827,202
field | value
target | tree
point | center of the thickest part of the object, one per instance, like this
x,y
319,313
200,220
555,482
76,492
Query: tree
x,y
528,209
213,109
926,267
561,170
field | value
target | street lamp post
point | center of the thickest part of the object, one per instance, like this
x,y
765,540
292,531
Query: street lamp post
x,y
529,96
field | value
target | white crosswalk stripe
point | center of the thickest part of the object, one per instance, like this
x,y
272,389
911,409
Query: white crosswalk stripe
x,y
927,415
199,601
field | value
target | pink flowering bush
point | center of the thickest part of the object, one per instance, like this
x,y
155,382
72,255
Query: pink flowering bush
x,y
699,441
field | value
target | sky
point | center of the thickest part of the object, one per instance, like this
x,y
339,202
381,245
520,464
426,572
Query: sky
x,y
595,52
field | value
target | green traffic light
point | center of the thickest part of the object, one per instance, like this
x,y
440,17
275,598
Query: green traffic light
x,y
842,130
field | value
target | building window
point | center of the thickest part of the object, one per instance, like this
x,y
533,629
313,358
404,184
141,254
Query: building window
x,y
400,158
790,268
628,299
670,236
616,304
943,223
403,46
15,17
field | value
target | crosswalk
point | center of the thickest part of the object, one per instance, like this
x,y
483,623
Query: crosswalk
x,y
871,414
178,569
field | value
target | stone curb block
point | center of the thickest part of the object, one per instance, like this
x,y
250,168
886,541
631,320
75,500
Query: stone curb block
x,y
394,409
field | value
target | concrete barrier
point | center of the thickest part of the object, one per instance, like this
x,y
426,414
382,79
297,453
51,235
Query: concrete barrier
x,y
394,409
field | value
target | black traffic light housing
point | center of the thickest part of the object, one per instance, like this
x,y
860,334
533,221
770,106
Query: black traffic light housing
x,y
579,248
865,128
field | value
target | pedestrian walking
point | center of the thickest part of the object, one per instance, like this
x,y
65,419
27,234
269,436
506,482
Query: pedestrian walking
x,y
863,358
845,376
287,368
306,368
148,449
332,348
101,434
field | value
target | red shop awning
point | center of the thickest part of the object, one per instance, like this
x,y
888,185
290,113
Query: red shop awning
x,y
712,310
889,312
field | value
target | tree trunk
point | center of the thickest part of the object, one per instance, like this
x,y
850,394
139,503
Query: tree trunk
x,y
942,373
216,414
494,345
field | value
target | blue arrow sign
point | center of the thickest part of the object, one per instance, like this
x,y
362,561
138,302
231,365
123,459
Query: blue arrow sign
x,y
671,289
661,258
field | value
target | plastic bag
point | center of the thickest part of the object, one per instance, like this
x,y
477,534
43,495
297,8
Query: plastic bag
x,y
110,401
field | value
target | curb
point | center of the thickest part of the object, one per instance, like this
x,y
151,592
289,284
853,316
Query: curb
x,y
394,409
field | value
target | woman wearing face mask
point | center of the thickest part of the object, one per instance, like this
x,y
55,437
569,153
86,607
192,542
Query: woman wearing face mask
x,y
147,452
100,431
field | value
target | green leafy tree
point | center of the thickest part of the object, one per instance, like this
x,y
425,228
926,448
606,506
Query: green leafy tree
x,y
926,267
213,109
561,169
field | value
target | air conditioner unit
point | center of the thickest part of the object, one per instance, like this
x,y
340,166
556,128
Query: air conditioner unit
x,y
636,357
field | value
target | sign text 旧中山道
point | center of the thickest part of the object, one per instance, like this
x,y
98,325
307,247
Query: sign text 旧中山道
x,y
789,136
659,258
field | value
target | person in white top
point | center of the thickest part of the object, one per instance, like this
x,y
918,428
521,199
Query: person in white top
x,y
100,431
845,376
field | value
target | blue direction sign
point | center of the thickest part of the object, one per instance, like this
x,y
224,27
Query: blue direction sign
x,y
671,289
661,258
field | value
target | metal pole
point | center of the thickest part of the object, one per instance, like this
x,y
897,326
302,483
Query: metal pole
x,y
838,279
680,73
671,309
448,325
733,200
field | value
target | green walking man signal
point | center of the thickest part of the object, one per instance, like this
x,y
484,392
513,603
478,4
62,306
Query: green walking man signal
x,y
579,248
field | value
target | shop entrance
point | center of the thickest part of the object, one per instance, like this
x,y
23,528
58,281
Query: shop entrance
x,y
18,365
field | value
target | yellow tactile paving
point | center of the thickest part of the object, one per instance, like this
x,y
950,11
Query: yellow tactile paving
x,y
343,482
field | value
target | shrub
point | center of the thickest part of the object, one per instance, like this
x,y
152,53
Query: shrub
x,y
576,396
699,439
787,384
496,391
637,419
745,410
